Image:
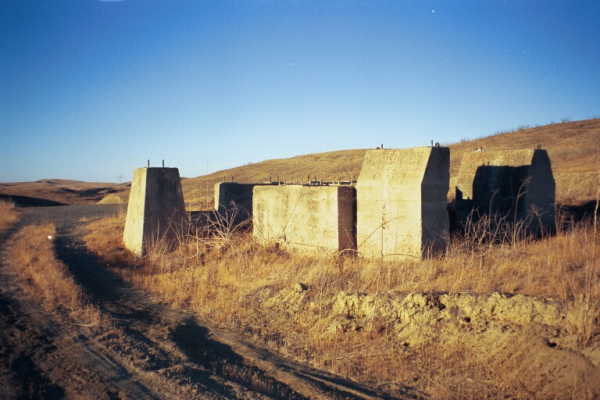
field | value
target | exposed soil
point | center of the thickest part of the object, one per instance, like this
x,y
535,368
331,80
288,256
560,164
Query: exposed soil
x,y
141,349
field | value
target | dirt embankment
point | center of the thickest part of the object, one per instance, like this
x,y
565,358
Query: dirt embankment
x,y
531,346
545,331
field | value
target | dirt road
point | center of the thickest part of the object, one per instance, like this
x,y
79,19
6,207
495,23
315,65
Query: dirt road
x,y
141,349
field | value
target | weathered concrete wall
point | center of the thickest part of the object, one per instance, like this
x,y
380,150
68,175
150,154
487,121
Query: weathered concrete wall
x,y
401,202
307,218
155,209
512,184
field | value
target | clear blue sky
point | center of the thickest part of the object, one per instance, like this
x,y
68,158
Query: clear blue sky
x,y
90,89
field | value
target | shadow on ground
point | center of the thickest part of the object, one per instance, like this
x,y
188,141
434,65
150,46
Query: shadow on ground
x,y
134,314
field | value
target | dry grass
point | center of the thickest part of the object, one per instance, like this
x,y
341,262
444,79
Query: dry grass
x,y
239,284
46,279
8,214
561,267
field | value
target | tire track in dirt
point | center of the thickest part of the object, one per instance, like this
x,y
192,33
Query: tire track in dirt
x,y
19,375
41,355
186,350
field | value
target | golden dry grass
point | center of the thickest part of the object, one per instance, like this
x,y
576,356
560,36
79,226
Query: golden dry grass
x,y
242,285
8,214
558,267
44,278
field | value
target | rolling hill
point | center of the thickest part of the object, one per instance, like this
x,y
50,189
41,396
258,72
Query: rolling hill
x,y
574,149
59,191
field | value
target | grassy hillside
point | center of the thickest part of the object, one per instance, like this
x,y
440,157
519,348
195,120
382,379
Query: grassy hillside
x,y
333,165
574,149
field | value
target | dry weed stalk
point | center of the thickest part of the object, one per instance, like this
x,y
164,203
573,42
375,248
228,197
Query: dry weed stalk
x,y
224,226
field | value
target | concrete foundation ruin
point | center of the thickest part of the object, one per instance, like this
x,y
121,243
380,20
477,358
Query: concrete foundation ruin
x,y
402,204
306,218
516,185
398,209
155,210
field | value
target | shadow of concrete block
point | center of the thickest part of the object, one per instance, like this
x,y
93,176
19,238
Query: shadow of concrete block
x,y
513,185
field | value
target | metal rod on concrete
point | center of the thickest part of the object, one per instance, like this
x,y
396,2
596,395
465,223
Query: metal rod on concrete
x,y
148,163
163,163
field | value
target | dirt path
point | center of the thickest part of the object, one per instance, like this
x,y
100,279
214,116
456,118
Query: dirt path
x,y
141,349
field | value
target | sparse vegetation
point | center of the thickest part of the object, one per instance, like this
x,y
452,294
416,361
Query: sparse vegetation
x,y
484,321
46,279
8,214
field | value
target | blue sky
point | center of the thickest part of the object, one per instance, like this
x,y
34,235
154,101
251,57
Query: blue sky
x,y
91,89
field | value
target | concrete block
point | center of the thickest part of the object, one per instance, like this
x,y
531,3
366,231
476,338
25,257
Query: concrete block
x,y
401,203
233,195
306,218
155,209
515,184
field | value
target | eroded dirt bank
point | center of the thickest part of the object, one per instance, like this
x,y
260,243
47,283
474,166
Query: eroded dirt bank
x,y
138,348
541,333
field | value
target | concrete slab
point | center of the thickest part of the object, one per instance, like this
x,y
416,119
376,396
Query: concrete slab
x,y
155,209
401,203
515,184
306,218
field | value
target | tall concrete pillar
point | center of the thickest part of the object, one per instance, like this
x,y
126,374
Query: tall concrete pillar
x,y
155,210
401,203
